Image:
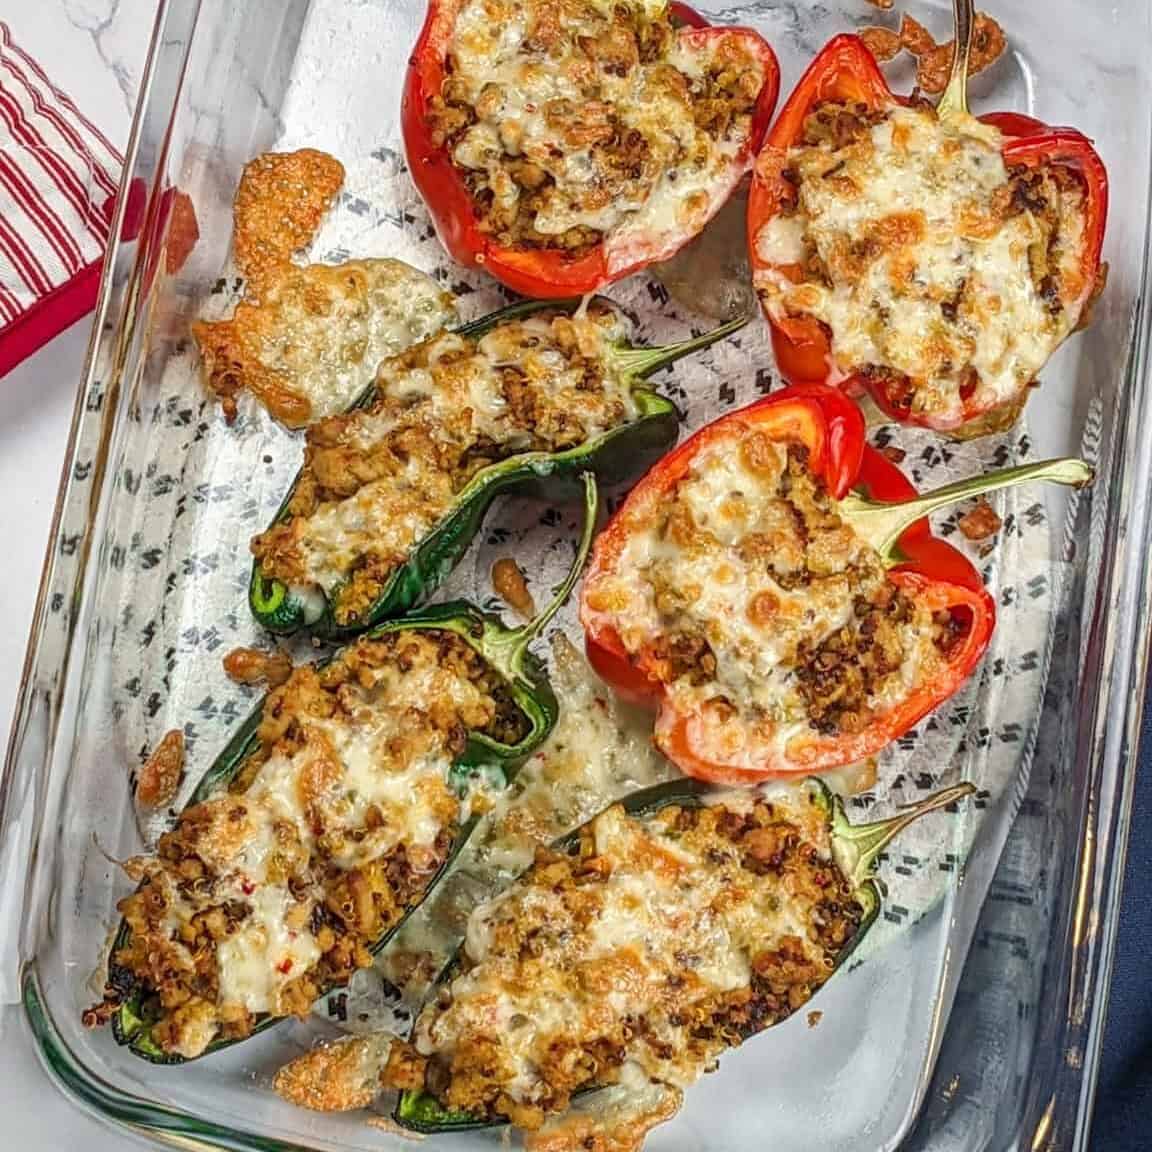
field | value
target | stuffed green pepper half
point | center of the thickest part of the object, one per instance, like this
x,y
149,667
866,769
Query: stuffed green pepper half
x,y
671,927
392,493
324,823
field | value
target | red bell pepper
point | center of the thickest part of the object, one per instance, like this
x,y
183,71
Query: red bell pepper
x,y
875,499
545,273
846,71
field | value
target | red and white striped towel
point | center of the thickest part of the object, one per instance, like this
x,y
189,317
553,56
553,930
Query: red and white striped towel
x,y
58,181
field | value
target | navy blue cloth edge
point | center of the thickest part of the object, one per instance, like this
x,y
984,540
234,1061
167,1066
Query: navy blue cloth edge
x,y
1124,1090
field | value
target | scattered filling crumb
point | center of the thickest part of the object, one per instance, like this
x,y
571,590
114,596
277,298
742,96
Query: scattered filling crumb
x,y
981,522
160,777
378,480
509,583
255,666
934,61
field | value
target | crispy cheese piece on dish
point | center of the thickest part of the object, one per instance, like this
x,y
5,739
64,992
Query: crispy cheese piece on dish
x,y
307,339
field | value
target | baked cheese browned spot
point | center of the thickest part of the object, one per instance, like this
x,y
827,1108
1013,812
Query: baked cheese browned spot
x,y
645,953
931,265
337,1077
614,1120
311,344
282,198
762,611
575,122
934,61
883,43
376,481
272,890
307,339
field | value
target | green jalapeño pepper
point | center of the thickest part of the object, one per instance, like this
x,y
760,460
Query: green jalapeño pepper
x,y
673,926
393,492
327,819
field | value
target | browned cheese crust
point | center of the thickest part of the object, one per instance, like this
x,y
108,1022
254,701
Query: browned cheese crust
x,y
306,339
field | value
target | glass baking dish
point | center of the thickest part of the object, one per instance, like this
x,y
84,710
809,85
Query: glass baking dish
x,y
974,1021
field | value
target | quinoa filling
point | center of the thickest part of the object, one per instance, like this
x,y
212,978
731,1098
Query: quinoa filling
x,y
377,480
572,121
277,886
643,952
762,611
944,274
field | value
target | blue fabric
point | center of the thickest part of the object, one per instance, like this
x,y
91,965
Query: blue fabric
x,y
1124,1093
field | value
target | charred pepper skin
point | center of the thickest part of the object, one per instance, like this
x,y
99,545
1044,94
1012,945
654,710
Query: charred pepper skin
x,y
505,650
846,71
872,496
617,455
855,853
544,273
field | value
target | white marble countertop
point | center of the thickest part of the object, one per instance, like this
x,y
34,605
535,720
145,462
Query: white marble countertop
x,y
95,50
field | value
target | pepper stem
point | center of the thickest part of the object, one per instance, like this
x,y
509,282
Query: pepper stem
x,y
640,363
856,847
504,648
874,415
954,103
882,524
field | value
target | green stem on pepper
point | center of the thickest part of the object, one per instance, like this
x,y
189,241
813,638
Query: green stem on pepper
x,y
954,102
857,847
882,523
503,648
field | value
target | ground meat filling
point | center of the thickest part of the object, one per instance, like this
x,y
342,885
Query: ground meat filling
x,y
935,270
568,118
379,479
275,888
653,945
839,677
761,609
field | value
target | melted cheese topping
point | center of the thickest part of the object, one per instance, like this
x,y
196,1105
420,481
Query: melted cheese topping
x,y
314,340
378,480
264,953
376,308
924,256
594,119
636,950
345,814
598,751
727,592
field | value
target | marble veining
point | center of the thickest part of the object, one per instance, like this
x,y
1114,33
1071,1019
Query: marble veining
x,y
118,28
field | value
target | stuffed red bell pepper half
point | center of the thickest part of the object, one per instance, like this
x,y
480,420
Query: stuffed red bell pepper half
x,y
916,253
773,586
564,144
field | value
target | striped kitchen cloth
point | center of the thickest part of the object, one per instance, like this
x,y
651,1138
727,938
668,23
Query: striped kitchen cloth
x,y
59,176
